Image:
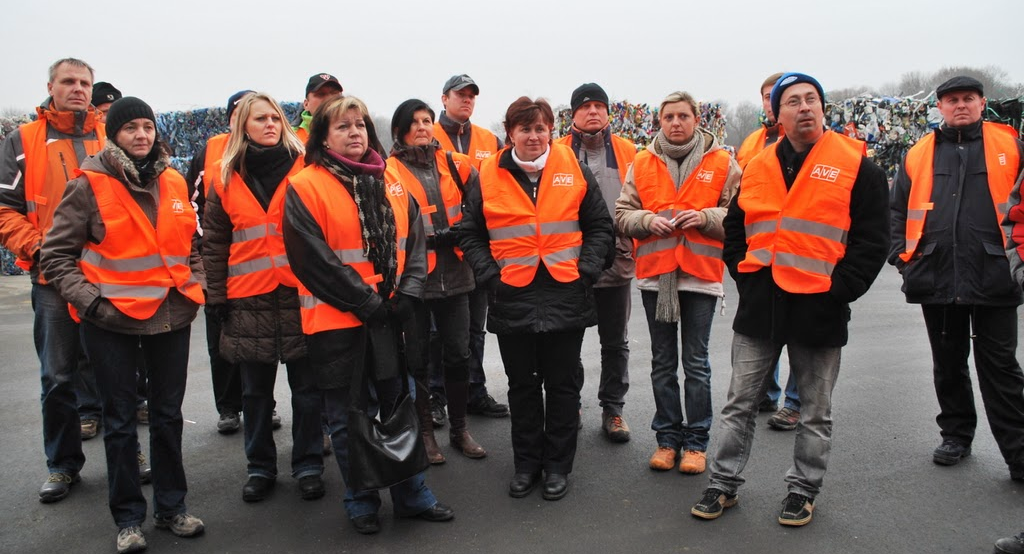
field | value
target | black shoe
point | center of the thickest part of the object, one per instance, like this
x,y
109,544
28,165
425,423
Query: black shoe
x,y
311,487
57,487
522,484
950,452
1010,545
713,503
555,486
767,405
437,512
257,488
229,423
1017,472
487,406
366,525
437,411
797,510
275,421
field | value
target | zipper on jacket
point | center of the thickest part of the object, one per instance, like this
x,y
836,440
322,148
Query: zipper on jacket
x,y
279,342
64,165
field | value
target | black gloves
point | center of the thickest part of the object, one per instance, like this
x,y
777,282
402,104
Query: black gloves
x,y
444,238
218,312
402,306
379,315
93,307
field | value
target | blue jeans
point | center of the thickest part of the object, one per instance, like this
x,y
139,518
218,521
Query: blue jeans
x,y
59,347
258,408
695,314
113,356
89,406
816,370
775,391
409,497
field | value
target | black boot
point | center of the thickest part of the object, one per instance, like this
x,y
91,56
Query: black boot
x,y
458,394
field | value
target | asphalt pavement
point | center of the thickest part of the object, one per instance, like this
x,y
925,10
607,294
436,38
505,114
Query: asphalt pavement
x,y
882,492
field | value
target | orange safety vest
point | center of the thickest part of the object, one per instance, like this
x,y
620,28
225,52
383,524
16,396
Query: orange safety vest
x,y
801,233
136,264
451,196
38,199
336,213
754,144
257,262
482,143
523,233
302,133
689,250
625,152
1002,160
215,147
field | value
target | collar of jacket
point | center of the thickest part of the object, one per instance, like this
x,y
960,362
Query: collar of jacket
x,y
967,133
115,162
451,126
419,156
67,122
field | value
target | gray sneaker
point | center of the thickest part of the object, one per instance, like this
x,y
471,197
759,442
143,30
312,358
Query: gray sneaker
x,y
228,423
183,525
130,539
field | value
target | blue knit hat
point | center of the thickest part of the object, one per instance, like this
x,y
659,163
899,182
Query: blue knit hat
x,y
788,80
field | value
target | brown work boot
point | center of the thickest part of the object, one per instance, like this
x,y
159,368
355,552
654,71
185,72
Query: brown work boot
x,y
90,428
785,420
427,428
458,395
614,427
663,459
694,462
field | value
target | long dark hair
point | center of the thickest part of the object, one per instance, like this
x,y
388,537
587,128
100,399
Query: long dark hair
x,y
321,124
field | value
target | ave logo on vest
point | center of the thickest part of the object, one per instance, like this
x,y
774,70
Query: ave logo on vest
x,y
1002,158
483,154
825,173
395,189
177,206
561,180
704,176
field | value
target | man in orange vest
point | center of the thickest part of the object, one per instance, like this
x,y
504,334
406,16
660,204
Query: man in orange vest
x,y
319,89
36,162
806,235
608,156
947,203
456,134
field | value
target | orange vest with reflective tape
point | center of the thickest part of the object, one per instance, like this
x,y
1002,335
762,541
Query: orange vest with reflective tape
x,y
136,264
801,233
625,152
257,262
1002,159
451,196
689,250
482,144
523,233
754,144
215,147
41,200
336,213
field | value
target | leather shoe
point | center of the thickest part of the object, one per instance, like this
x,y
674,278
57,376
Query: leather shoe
x,y
522,484
257,488
366,525
57,487
555,486
437,512
311,487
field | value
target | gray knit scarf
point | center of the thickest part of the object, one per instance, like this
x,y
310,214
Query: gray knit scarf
x,y
681,160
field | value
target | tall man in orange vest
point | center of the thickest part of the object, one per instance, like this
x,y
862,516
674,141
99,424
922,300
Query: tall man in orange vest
x,y
319,89
948,201
456,134
806,235
36,162
608,156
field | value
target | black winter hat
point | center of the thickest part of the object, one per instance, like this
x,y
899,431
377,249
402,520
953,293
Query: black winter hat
x,y
960,82
104,93
401,121
124,110
587,92
235,98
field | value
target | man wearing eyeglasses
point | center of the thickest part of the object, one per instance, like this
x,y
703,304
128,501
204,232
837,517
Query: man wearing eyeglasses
x,y
806,235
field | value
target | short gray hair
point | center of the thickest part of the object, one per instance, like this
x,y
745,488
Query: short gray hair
x,y
74,62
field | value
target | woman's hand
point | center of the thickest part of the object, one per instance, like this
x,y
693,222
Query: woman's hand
x,y
688,218
661,226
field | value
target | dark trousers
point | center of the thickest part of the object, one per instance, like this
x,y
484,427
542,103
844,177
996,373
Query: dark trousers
x,y
227,377
613,308
449,336
994,332
477,300
258,407
113,357
543,398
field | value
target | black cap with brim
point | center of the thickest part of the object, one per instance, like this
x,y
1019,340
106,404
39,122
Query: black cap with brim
x,y
316,82
960,82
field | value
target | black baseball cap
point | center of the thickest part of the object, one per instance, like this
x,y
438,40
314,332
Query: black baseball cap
x,y
104,93
459,82
319,80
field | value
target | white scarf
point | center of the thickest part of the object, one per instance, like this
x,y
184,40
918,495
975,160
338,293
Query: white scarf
x,y
536,165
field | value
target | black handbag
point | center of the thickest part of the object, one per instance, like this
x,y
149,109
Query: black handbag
x,y
383,453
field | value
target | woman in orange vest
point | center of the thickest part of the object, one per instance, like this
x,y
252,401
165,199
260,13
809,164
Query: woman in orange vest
x,y
357,247
672,204
436,179
123,253
538,235
252,291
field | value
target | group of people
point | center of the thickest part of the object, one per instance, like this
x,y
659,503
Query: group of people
x,y
311,246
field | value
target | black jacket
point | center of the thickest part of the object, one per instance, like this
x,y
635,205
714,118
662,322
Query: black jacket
x,y
545,305
960,258
816,320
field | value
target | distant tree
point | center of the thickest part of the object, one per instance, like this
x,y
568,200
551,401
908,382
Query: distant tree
x,y
11,111
998,84
498,128
741,120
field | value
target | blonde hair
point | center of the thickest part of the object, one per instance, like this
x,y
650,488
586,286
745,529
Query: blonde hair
x,y
680,96
234,153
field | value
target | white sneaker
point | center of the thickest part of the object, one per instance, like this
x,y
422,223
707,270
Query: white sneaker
x,y
130,539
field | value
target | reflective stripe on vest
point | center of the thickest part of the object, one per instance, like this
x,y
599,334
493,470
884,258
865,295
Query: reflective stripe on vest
x,y
1002,159
801,234
482,144
522,233
688,250
136,264
625,153
451,196
257,263
336,214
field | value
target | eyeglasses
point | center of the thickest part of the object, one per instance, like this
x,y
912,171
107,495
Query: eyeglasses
x,y
794,102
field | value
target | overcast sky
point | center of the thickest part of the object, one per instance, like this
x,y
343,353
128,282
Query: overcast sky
x,y
190,54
